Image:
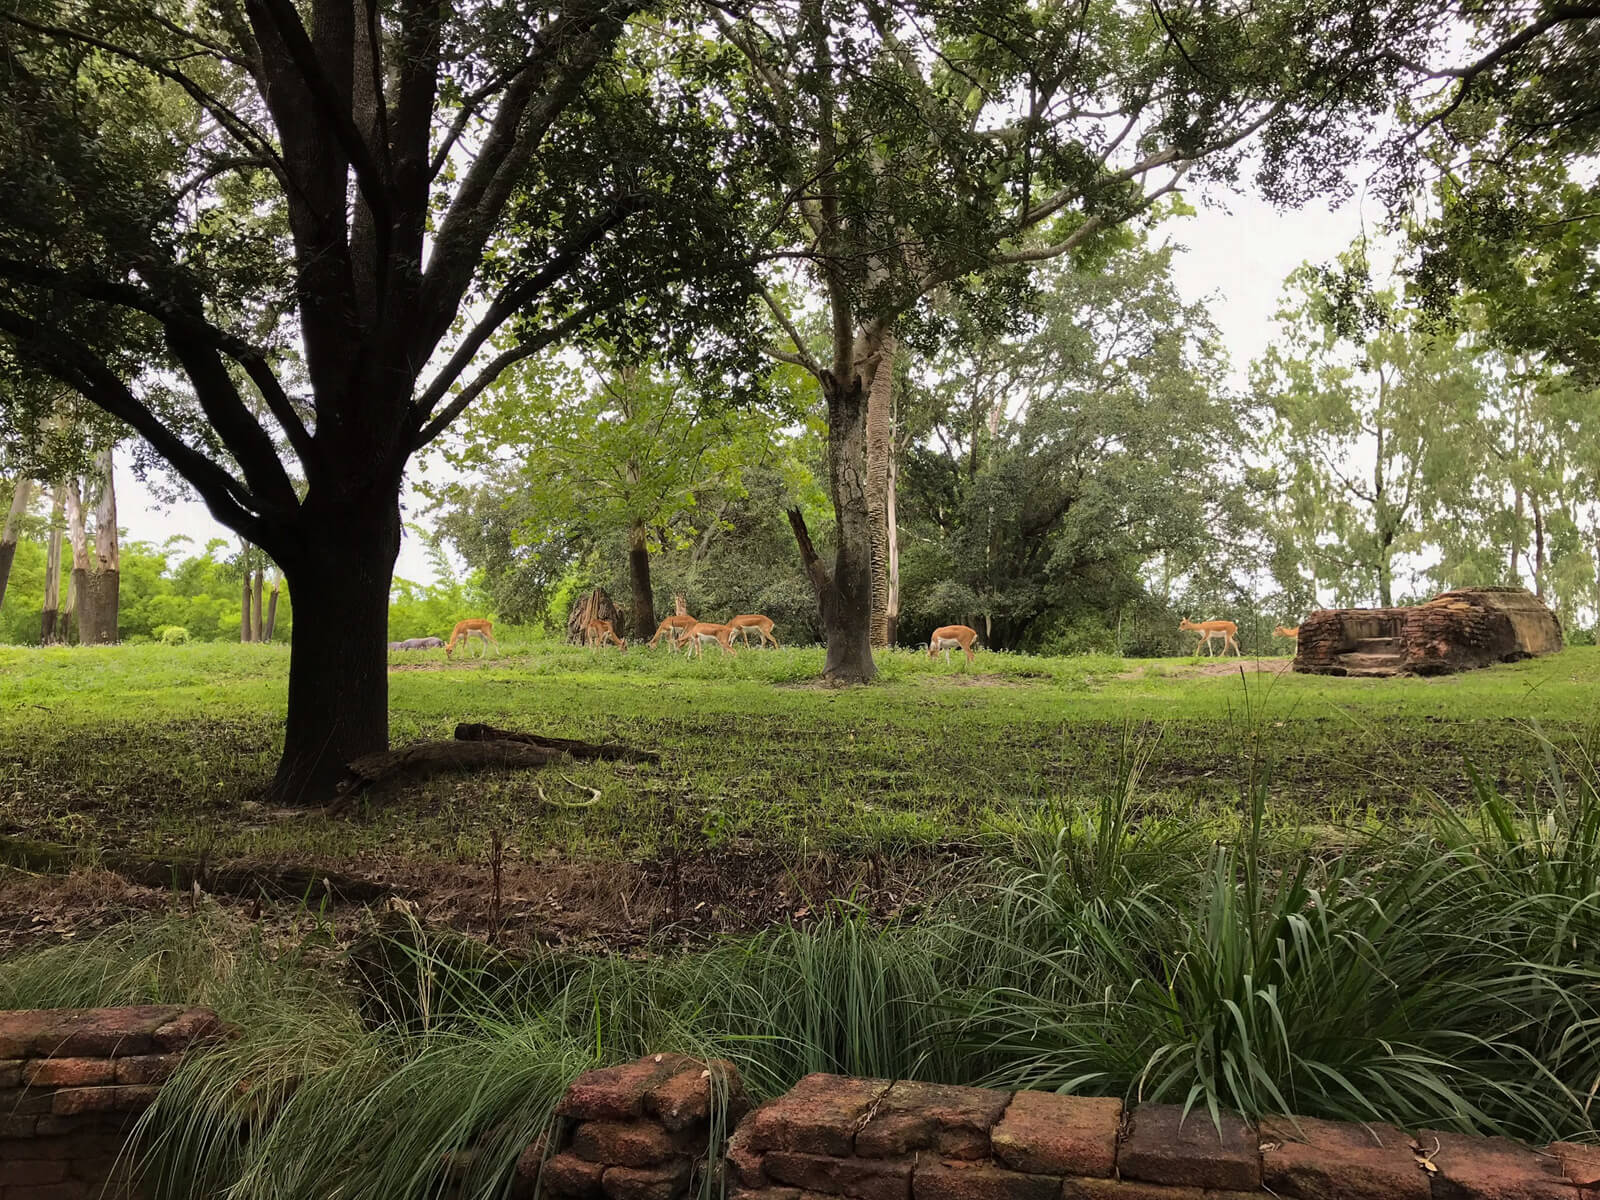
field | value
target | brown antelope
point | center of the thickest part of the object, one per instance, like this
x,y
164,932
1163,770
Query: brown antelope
x,y
598,633
671,628
473,627
1292,634
1212,629
949,637
753,623
702,632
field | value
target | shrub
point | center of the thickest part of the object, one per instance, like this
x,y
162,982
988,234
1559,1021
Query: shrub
x,y
173,635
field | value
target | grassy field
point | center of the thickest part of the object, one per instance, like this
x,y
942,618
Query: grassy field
x,y
165,749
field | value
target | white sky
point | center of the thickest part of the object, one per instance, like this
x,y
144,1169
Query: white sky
x,y
1236,252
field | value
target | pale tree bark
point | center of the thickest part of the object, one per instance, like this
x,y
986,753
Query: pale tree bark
x,y
99,592
78,603
880,496
52,569
272,605
20,495
246,628
255,623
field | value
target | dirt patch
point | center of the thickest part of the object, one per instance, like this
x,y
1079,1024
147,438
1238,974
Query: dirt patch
x,y
1250,666
580,905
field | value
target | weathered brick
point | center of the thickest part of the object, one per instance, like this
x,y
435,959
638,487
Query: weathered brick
x,y
102,1099
743,1162
960,1180
860,1178
21,1102
1129,1189
819,1115
954,1121
192,1027
113,1125
623,1143
71,1189
1163,1145
617,1093
570,1176
1580,1163
1332,1160
70,1072
1044,1133
1480,1168
764,1193
34,1170
81,1032
147,1068
684,1098
525,1181
665,1182
11,1073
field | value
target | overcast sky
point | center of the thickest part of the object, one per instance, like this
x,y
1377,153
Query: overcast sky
x,y
1237,255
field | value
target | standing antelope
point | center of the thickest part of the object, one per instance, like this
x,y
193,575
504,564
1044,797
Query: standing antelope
x,y
1212,629
753,622
702,632
949,637
671,628
473,627
1292,634
598,633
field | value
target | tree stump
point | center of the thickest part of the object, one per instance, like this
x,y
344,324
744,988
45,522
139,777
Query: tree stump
x,y
597,605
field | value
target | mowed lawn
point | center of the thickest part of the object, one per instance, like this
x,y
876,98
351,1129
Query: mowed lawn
x,y
165,749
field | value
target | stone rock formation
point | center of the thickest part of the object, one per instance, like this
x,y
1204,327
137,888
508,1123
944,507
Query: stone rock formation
x,y
1455,631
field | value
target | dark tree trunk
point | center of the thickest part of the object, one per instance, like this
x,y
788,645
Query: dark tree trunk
x,y
20,496
8,551
272,611
338,664
244,608
1538,549
644,604
847,622
255,611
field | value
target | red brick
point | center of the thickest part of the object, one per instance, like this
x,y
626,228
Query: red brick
x,y
1480,1168
819,1115
617,1093
570,1176
81,1032
744,1162
112,1125
70,1072
1128,1189
954,1121
623,1143
860,1178
1044,1133
1332,1160
684,1099
665,1182
37,1170
979,1181
102,1099
195,1026
1580,1163
147,1068
21,1102
11,1073
1165,1146
764,1193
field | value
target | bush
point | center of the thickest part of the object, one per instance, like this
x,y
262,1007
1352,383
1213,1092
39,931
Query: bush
x,y
173,635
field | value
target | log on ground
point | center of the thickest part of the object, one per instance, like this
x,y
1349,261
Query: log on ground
x,y
615,751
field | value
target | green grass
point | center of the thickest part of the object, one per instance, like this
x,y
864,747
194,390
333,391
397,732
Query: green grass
x,y
160,749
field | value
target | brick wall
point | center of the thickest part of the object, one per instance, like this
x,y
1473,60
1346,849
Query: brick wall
x,y
72,1082
868,1139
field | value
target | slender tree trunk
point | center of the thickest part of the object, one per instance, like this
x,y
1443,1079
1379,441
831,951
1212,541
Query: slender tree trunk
x,y
1385,577
255,614
880,490
78,601
847,619
245,628
338,710
52,569
644,604
20,495
1538,548
892,525
100,605
1516,538
680,606
272,605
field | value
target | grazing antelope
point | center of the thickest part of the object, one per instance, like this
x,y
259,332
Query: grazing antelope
x,y
472,627
598,633
702,632
671,627
1212,629
949,637
753,623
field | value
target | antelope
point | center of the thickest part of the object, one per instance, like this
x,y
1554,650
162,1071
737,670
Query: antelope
x,y
598,633
949,637
670,628
1212,629
755,622
473,627
1292,634
702,632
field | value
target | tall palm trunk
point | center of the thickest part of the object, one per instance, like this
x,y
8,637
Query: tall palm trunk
x,y
20,495
880,497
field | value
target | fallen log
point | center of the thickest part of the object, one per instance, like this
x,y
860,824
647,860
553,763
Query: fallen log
x,y
472,732
434,758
